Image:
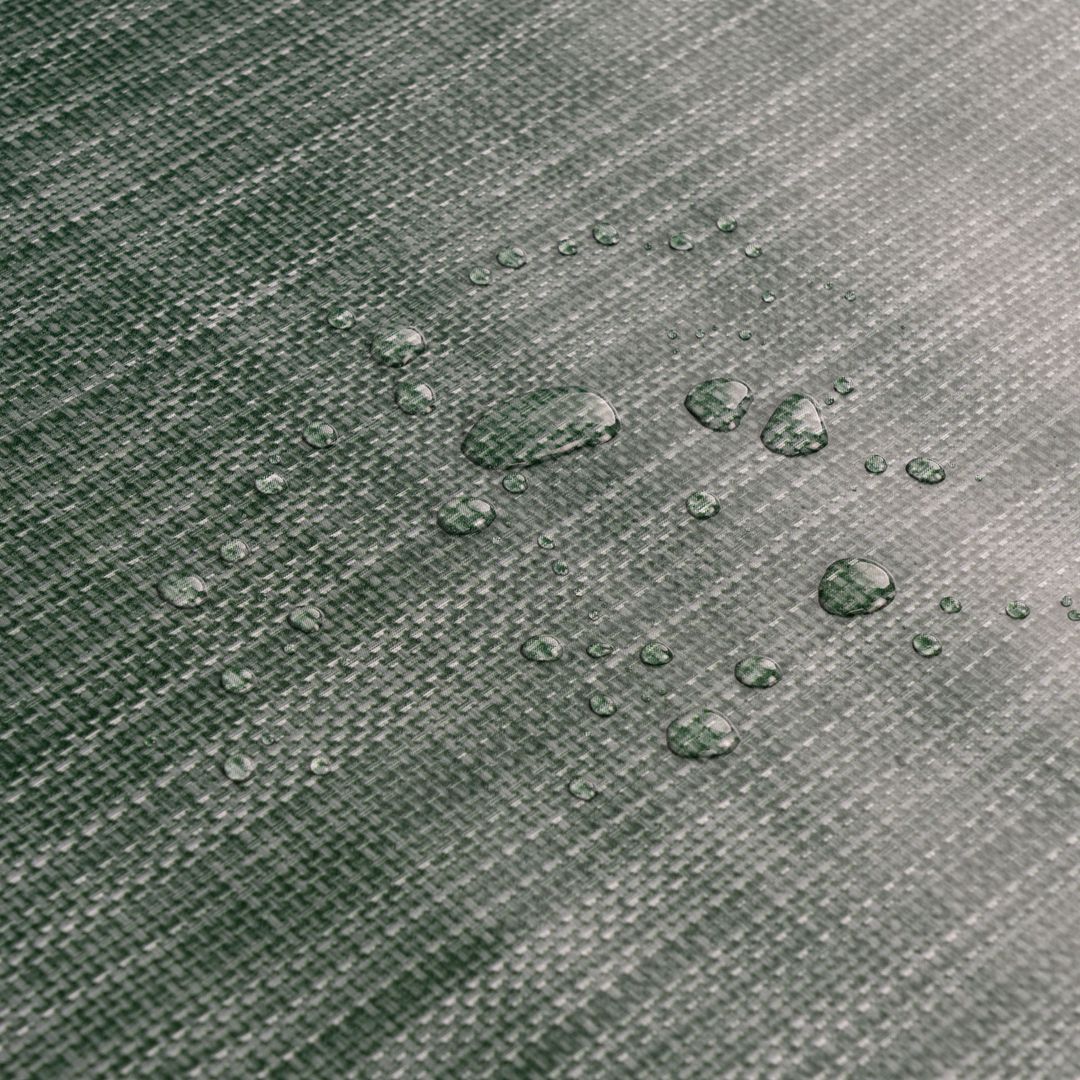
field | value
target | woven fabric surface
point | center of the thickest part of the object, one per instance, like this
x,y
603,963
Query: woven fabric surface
x,y
883,880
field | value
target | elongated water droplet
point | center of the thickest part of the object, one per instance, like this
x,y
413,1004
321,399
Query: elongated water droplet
x,y
855,587
727,225
1017,610
542,648
480,275
752,251
515,482
602,705
581,789
606,234
655,653
701,504
680,242
925,470
758,671
398,347
542,424
703,734
340,318
182,590
567,247
926,645
237,680
320,435
467,514
950,605
795,428
239,767
599,649
234,551
876,464
271,484
414,398
843,386
306,619
719,404
513,258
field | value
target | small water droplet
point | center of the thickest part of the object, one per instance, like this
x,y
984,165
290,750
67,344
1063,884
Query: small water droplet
x,y
271,484
727,225
467,514
306,619
480,275
594,616
320,765
855,587
849,296
1073,615
602,705
950,605
182,590
843,385
513,258
768,298
237,680
340,318
702,504
830,401
414,398
239,767
515,482
752,251
1017,610
560,567
398,347
655,654
545,542
745,335
1066,600
699,334
648,245
605,234
925,470
320,435
719,404
567,247
703,734
979,478
582,789
269,737
680,242
542,648
875,464
234,551
758,671
926,645
599,649
795,428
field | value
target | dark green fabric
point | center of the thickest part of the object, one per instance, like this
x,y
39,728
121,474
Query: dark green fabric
x,y
881,881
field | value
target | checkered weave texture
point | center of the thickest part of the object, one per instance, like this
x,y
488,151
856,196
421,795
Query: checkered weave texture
x,y
883,880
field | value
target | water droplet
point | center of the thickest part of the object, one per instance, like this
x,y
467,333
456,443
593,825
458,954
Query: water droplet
x,y
271,484
727,225
513,258
703,734
239,767
855,587
950,605
567,247
237,680
719,404
542,647
480,275
849,296
1073,615
306,619
602,705
182,590
768,298
925,470
398,347
467,514
876,464
655,654
269,737
414,398
599,649
582,789
234,551
320,435
843,385
795,428
320,765
672,334
830,401
515,482
340,318
545,542
758,671
605,234
539,425
648,245
1017,610
702,504
560,567
745,335
926,645
752,251
594,616
699,334
1066,600
680,242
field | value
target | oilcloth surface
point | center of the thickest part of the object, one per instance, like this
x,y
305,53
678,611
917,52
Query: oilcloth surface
x,y
880,881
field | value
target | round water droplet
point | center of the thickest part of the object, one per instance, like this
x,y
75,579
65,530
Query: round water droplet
x,y
239,767
795,428
567,247
320,435
581,789
843,385
545,542
1066,600
306,619
702,504
758,671
849,296
699,334
271,484
539,425
1017,610
320,765
719,404
855,587
680,242
602,705
414,398
542,647
467,514
340,318
605,234
672,334
876,464
480,275
599,649
655,653
234,551
1073,615
513,258
768,298
703,734
398,347
925,470
926,645
237,680
830,401
648,245
745,335
752,251
182,590
515,482
950,605
269,737
727,225
560,567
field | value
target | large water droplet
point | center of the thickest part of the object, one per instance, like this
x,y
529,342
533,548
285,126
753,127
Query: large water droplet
x,y
795,428
876,464
926,645
271,484
655,653
702,504
237,680
398,347
182,590
680,242
855,587
605,234
950,605
1015,609
758,671
306,619
465,515
581,789
414,398
843,386
703,734
239,767
727,225
542,647
542,424
234,551
719,404
320,435
602,705
925,470
513,258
